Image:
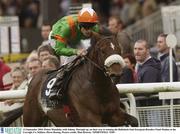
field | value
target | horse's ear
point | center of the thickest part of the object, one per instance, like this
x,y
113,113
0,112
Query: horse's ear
x,y
119,46
95,37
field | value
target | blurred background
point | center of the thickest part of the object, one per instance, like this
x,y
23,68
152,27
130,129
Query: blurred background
x,y
25,25
21,20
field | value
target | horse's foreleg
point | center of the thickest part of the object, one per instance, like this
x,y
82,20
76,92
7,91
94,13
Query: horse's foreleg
x,y
121,118
59,119
91,121
32,116
88,118
131,120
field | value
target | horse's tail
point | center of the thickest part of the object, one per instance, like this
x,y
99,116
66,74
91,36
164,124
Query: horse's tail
x,y
12,116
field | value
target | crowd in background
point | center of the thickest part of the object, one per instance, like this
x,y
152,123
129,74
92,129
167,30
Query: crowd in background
x,y
129,10
135,54
141,67
115,24
27,10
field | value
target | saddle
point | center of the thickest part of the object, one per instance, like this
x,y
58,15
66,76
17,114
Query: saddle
x,y
59,80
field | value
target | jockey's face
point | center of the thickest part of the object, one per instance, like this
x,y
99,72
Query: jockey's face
x,y
87,32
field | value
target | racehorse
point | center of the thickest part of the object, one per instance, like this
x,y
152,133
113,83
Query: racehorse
x,y
91,94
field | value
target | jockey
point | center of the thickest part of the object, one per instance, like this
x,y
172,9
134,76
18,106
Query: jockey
x,y
69,30
67,33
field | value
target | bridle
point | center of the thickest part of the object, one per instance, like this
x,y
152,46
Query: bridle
x,y
96,65
104,69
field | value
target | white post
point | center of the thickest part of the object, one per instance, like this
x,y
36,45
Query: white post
x,y
171,42
171,80
170,65
132,102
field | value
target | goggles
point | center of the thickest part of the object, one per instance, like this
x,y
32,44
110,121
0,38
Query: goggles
x,y
87,25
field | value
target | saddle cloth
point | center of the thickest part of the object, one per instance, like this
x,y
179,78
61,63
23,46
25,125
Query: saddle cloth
x,y
63,76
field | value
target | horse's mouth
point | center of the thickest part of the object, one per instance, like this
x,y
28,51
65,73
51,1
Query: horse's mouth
x,y
115,77
115,70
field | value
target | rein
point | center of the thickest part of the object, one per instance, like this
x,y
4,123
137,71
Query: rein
x,y
96,65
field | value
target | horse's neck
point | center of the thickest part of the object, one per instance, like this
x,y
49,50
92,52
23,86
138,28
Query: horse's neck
x,y
94,56
98,76
101,84
95,73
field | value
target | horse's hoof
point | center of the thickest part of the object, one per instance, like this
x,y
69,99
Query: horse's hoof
x,y
133,122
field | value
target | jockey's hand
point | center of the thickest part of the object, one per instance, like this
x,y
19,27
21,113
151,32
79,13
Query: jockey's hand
x,y
81,52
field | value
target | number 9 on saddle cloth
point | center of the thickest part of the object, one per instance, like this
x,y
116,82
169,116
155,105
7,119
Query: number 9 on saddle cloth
x,y
57,81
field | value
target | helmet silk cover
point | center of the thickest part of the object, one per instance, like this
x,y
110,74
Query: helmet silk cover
x,y
87,15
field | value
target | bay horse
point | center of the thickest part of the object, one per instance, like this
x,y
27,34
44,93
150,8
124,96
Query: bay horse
x,y
92,96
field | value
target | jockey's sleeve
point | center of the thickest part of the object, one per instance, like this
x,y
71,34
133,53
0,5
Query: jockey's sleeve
x,y
61,49
61,34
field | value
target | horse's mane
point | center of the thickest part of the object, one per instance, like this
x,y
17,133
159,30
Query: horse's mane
x,y
95,40
97,37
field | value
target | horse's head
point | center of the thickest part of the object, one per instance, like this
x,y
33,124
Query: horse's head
x,y
106,53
